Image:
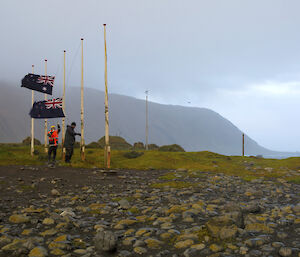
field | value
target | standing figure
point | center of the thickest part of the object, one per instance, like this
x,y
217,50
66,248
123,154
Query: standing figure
x,y
70,141
53,142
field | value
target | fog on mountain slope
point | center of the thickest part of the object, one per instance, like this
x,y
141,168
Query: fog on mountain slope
x,y
195,129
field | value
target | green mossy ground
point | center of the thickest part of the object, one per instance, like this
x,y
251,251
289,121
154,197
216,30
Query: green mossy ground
x,y
193,162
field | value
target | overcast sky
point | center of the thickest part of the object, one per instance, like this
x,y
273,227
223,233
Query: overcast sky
x,y
239,58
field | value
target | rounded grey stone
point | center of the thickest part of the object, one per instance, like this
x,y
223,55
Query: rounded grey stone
x,y
255,253
285,251
282,235
124,253
124,204
163,253
139,243
277,244
105,241
191,253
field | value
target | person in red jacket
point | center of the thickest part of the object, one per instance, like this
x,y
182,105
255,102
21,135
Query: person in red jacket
x,y
53,142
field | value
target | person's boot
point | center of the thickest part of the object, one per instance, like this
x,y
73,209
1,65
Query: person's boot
x,y
49,163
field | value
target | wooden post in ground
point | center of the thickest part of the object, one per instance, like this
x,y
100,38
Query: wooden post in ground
x,y
63,119
107,146
82,146
243,145
46,127
32,121
147,127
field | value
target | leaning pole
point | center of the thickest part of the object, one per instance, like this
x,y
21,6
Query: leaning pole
x,y
147,124
82,147
64,102
243,144
32,120
45,129
107,146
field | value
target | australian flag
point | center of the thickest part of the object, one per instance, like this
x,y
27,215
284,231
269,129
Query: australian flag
x,y
47,109
39,83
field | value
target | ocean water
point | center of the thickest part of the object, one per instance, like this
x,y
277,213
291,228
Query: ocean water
x,y
280,156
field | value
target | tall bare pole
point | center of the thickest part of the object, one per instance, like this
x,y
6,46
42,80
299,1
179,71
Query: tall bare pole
x,y
64,102
147,127
46,129
107,146
243,151
82,147
32,120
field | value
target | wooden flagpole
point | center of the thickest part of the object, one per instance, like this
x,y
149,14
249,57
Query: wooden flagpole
x,y
63,119
147,127
107,146
46,129
82,147
243,142
32,119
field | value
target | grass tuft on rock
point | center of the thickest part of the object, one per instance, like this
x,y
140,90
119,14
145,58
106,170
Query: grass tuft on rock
x,y
133,154
94,145
171,148
27,141
116,143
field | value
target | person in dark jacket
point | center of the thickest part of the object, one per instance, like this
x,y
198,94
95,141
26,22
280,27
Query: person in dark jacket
x,y
70,141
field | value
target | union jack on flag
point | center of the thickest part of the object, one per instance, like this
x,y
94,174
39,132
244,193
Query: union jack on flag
x,y
46,80
47,109
54,103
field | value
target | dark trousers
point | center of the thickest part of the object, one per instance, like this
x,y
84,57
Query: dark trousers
x,y
69,153
52,151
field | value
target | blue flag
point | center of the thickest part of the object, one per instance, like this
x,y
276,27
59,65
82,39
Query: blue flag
x,y
47,109
38,83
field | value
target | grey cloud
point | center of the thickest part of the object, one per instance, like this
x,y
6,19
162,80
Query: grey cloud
x,y
180,50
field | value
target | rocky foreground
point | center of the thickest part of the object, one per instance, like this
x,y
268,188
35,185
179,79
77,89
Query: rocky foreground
x,y
71,212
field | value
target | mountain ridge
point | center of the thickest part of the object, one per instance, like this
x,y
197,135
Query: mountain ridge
x,y
194,128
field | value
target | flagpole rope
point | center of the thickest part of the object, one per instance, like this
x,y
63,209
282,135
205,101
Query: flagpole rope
x,y
58,70
72,64
69,75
